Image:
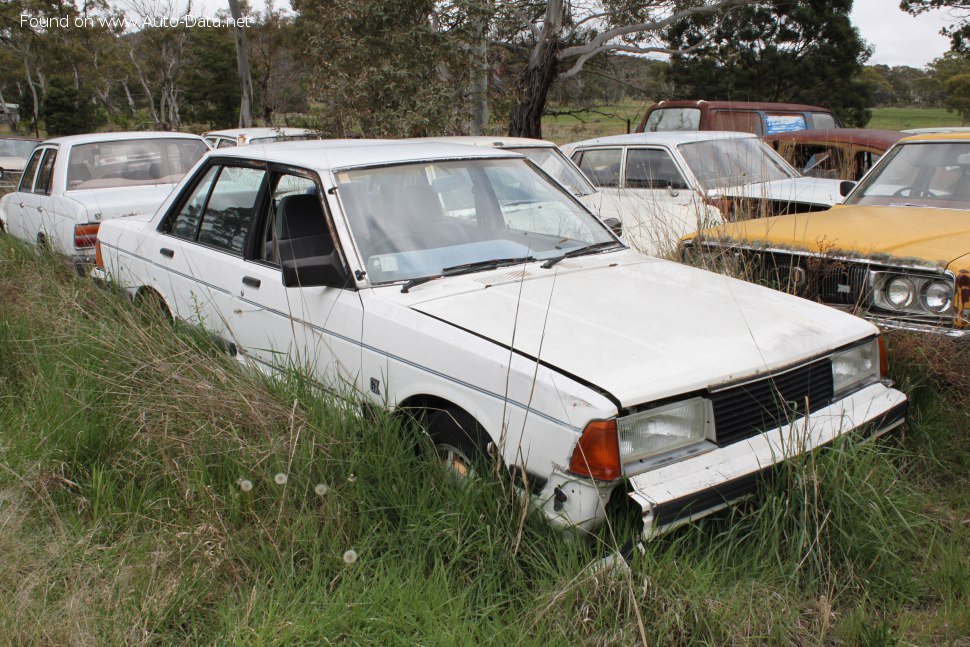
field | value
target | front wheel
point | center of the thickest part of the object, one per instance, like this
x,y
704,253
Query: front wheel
x,y
460,444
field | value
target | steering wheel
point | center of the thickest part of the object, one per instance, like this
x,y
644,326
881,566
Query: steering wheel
x,y
914,192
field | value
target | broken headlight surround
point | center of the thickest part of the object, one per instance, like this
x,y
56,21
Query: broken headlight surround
x,y
664,429
910,293
855,368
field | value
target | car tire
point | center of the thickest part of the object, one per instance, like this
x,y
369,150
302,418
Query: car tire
x,y
151,304
461,445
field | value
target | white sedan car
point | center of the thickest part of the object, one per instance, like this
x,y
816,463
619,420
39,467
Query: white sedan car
x,y
242,136
72,184
464,287
670,184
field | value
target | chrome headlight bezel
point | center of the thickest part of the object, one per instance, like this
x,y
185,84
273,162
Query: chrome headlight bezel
x,y
688,423
855,368
919,287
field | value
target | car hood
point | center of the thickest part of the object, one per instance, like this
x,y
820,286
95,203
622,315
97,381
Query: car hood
x,y
122,201
807,190
939,237
639,328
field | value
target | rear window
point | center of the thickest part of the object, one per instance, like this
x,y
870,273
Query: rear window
x,y
673,119
132,162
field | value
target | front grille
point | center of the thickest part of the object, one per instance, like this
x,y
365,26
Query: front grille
x,y
820,278
751,408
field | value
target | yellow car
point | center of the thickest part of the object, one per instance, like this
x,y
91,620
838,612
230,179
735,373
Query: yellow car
x,y
897,249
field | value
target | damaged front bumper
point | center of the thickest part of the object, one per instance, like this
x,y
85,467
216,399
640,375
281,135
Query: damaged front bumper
x,y
685,491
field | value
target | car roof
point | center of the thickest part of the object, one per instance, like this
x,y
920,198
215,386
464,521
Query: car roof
x,y
937,129
88,138
938,137
739,105
342,154
666,137
871,137
495,141
258,132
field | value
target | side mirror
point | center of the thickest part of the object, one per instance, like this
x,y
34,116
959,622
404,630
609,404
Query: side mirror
x,y
615,225
845,187
314,271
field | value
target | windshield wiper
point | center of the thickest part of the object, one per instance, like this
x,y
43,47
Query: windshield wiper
x,y
466,268
579,251
479,266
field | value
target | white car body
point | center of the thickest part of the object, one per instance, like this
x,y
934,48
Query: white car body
x,y
53,206
14,152
679,199
243,136
544,355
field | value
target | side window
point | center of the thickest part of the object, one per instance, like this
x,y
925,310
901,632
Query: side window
x,y
27,180
230,208
819,161
652,169
45,174
297,225
743,121
225,143
186,223
823,120
601,166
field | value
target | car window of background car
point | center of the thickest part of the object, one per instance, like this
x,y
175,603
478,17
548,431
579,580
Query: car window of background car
x,y
45,174
652,168
16,147
721,163
823,120
601,166
673,119
230,209
553,162
132,162
186,223
818,160
744,121
27,180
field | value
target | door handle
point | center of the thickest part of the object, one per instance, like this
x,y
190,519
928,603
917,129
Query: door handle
x,y
251,282
40,209
165,251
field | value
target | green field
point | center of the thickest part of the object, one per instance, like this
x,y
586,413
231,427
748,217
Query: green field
x,y
612,120
154,491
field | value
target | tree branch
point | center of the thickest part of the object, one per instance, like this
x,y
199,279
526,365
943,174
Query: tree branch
x,y
633,49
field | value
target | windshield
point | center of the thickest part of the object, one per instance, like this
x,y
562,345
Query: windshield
x,y
552,161
132,162
724,163
16,147
920,174
416,220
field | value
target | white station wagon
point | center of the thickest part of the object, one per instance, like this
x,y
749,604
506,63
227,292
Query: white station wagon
x,y
464,285
71,184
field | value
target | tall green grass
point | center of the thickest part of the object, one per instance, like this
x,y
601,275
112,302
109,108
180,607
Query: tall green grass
x,y
143,500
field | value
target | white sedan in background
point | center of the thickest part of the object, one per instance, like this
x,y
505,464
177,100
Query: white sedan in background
x,y
466,288
243,136
72,184
665,185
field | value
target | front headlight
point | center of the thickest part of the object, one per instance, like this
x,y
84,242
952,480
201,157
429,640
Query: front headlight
x,y
937,296
913,293
662,429
856,367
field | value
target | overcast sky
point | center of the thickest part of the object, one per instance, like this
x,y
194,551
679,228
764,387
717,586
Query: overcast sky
x,y
897,37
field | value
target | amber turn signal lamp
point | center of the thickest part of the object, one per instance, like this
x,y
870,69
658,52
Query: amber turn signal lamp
x,y
597,453
97,254
883,361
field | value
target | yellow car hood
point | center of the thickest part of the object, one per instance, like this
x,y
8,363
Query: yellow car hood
x,y
933,236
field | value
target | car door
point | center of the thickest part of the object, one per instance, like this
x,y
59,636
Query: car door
x,y
20,205
317,329
46,219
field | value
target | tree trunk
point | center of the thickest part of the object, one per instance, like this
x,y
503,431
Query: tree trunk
x,y
479,83
526,117
33,94
131,100
540,72
242,61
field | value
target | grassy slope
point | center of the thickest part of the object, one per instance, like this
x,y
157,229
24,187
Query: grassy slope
x,y
122,517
